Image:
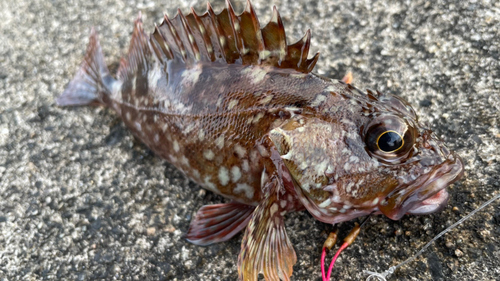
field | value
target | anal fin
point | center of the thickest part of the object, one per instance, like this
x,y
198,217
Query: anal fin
x,y
266,247
218,223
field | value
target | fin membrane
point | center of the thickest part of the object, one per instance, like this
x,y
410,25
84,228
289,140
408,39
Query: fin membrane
x,y
229,38
266,247
218,223
92,79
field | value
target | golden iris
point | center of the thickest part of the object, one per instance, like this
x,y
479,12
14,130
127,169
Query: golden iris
x,y
390,141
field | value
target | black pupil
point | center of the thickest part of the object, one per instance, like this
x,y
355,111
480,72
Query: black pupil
x,y
390,141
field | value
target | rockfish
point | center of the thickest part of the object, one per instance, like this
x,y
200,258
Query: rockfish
x,y
238,110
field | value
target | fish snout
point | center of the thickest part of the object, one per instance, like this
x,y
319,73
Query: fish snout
x,y
432,195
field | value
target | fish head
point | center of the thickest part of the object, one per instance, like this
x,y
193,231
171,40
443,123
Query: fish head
x,y
370,155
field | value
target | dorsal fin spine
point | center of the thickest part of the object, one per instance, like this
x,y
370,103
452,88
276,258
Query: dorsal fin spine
x,y
204,34
312,62
162,42
282,38
193,48
215,25
236,28
157,48
303,47
256,27
175,36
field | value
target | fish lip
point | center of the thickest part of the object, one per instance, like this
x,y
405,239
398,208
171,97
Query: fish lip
x,y
427,194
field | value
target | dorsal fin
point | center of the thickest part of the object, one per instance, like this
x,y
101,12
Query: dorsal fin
x,y
230,38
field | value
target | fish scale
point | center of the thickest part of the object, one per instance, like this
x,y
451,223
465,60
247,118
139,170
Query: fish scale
x,y
238,110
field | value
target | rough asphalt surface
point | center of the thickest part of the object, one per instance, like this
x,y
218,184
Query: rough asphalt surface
x,y
81,200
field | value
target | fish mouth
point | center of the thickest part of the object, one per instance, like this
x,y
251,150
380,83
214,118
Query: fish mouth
x,y
427,194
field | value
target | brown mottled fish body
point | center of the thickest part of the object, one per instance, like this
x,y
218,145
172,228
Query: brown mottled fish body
x,y
210,122
237,109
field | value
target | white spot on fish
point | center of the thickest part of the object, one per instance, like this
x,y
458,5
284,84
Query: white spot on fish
x,y
219,102
164,127
321,168
184,161
245,166
223,176
354,159
232,104
254,156
349,187
318,100
176,146
347,166
192,75
219,142
134,86
283,204
137,126
247,189
255,73
196,173
208,154
258,117
173,159
127,116
201,134
262,150
266,100
264,54
240,151
305,186
209,185
235,173
273,209
347,122
325,203
189,128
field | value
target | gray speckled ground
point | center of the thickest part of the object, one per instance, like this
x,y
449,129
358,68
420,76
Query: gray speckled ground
x,y
80,200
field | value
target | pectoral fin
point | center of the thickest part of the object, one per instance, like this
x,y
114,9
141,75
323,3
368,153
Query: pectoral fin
x,y
218,223
266,247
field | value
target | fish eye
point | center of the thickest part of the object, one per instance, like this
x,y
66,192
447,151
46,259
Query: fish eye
x,y
390,141
389,138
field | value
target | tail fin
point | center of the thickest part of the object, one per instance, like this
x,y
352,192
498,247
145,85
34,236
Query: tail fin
x,y
92,81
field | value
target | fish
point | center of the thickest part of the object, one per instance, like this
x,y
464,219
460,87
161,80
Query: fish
x,y
238,110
